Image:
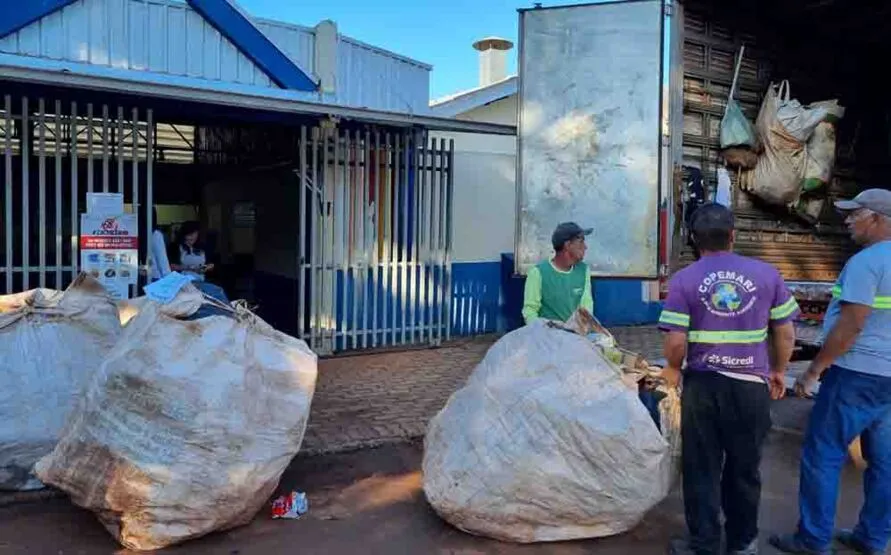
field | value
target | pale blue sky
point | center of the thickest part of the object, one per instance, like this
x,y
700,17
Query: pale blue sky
x,y
438,33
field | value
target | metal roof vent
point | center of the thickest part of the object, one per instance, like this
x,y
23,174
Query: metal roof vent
x,y
493,59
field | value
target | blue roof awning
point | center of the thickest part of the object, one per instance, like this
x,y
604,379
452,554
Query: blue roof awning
x,y
235,26
18,15
223,15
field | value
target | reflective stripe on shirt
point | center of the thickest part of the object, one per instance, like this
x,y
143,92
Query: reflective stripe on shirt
x,y
674,319
882,303
784,310
728,337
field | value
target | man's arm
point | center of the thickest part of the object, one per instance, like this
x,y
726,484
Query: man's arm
x,y
532,295
587,301
782,344
783,311
674,348
675,321
782,341
842,336
856,292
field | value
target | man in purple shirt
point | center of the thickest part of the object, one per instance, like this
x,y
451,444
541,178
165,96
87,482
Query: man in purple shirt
x,y
723,314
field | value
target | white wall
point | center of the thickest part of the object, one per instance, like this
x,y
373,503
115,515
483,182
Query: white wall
x,y
502,111
485,186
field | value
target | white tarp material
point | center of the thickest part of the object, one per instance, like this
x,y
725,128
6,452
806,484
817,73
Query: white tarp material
x,y
188,424
51,343
129,308
546,442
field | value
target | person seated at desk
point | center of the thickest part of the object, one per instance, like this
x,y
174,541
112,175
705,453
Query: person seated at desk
x,y
188,258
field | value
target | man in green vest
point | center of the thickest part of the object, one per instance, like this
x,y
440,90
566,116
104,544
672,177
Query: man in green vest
x,y
556,288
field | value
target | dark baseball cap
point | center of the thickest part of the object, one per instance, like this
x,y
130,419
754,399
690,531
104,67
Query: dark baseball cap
x,y
711,217
877,200
567,231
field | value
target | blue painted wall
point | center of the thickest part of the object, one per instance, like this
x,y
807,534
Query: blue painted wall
x,y
486,298
476,302
617,302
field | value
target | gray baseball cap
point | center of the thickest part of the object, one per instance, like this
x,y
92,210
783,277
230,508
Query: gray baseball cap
x,y
877,200
567,231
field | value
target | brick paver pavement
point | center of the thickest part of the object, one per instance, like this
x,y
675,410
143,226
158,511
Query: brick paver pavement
x,y
372,399
366,400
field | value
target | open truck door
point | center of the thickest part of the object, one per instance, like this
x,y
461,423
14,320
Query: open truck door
x,y
590,133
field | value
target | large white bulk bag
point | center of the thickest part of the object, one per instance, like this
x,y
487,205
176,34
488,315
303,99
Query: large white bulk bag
x,y
188,424
546,442
51,342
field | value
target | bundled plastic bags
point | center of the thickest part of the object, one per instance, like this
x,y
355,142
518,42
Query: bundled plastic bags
x,y
547,442
736,131
51,343
188,425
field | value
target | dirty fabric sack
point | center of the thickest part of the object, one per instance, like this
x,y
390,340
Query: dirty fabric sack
x,y
784,127
548,442
51,343
188,424
740,158
776,177
820,157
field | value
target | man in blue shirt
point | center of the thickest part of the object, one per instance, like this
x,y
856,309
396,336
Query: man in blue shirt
x,y
855,395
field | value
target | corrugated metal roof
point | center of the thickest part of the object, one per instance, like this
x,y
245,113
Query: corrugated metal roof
x,y
168,37
285,27
464,101
299,43
190,89
236,25
367,77
160,36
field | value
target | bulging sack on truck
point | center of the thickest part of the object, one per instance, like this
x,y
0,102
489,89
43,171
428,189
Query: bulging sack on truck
x,y
820,151
810,208
51,343
786,128
188,424
776,177
547,442
740,158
